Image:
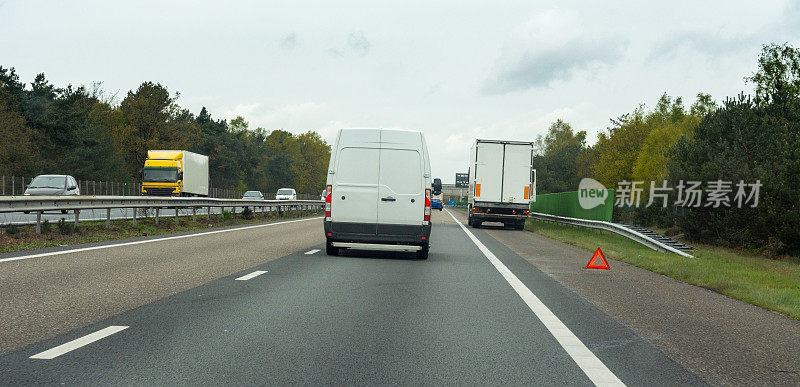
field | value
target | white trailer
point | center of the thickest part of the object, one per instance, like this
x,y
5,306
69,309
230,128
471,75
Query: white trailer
x,y
502,182
195,174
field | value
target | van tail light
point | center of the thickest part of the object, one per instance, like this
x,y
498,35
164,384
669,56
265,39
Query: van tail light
x,y
427,216
328,197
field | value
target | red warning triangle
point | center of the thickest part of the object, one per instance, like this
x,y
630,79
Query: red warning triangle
x,y
593,264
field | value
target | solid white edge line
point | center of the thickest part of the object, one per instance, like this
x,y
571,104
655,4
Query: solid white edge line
x,y
149,240
597,372
312,252
251,275
79,342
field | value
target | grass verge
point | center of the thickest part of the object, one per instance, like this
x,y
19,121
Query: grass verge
x,y
25,237
770,284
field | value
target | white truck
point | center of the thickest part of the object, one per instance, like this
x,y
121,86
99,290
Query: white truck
x,y
502,182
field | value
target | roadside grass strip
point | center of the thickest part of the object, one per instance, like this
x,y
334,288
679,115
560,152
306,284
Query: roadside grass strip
x,y
597,372
772,284
79,342
251,275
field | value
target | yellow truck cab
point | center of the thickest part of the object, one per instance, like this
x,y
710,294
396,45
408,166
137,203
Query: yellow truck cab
x,y
175,173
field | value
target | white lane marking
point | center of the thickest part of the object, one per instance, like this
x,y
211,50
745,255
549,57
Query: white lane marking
x,y
79,342
312,252
597,372
150,240
251,275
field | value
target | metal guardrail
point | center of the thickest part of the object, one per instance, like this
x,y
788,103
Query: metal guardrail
x,y
41,204
615,228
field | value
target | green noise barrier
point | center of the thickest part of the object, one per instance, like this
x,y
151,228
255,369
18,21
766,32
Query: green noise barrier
x,y
569,204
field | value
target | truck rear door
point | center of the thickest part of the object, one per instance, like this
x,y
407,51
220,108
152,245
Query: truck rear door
x,y
488,172
401,194
517,173
354,201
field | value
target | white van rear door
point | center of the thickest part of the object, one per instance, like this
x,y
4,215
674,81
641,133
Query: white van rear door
x,y
517,173
488,172
401,188
355,188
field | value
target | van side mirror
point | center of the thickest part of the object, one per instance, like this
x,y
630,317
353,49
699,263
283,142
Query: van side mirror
x,y
437,186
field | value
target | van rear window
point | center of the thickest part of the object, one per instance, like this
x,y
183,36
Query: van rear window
x,y
401,170
357,166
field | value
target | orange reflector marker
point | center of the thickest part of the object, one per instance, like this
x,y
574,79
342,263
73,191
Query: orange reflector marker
x,y
593,264
526,194
477,189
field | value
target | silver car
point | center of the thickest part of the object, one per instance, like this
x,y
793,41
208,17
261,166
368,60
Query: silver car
x,y
53,185
253,195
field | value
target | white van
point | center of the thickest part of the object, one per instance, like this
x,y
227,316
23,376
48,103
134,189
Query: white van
x,y
379,192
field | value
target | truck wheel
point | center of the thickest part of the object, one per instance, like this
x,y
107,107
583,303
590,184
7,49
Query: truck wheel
x,y
476,224
469,220
330,249
423,253
520,225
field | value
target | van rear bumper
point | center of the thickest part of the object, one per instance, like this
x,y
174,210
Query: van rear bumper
x,y
377,233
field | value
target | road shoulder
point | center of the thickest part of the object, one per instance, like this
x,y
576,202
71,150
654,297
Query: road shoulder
x,y
723,340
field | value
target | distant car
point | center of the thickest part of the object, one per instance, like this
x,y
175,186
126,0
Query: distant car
x,y
437,204
253,195
52,185
286,194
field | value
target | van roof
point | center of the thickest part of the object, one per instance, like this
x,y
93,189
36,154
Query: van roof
x,y
391,129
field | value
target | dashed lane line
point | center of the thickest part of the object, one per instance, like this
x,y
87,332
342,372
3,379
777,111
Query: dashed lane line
x,y
79,342
251,275
312,252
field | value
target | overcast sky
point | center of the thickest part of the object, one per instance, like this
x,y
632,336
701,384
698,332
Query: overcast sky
x,y
455,70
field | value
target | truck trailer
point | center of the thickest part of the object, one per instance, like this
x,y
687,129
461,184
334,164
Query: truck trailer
x,y
502,182
175,173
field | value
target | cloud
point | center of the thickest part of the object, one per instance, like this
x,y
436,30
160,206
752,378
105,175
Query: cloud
x,y
242,110
703,42
358,43
289,41
550,47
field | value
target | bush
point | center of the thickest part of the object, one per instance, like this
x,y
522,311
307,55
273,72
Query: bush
x,y
12,229
247,213
751,141
45,226
227,215
65,228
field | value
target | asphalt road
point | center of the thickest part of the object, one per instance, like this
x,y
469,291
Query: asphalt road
x,y
260,306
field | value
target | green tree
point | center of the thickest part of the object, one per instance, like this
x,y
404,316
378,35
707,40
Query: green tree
x,y
316,154
562,161
152,120
16,156
778,74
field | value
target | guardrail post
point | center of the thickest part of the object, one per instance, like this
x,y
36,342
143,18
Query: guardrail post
x,y
134,216
208,214
157,210
194,214
38,222
176,214
108,218
233,211
77,216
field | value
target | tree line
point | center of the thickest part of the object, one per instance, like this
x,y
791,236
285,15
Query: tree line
x,y
81,131
750,138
